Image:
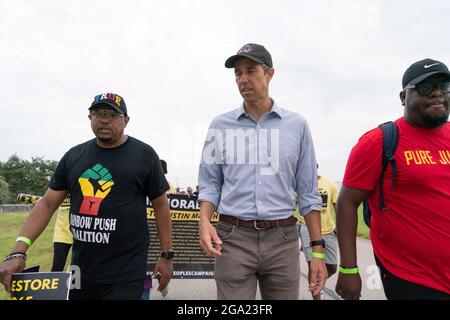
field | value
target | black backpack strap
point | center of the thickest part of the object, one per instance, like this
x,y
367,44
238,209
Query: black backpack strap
x,y
390,142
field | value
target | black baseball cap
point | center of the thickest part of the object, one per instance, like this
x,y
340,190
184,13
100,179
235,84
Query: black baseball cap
x,y
111,99
252,51
422,69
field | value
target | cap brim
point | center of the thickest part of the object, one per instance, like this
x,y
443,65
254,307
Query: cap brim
x,y
105,103
231,60
426,75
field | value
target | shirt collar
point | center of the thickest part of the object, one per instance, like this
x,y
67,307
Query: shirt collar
x,y
276,110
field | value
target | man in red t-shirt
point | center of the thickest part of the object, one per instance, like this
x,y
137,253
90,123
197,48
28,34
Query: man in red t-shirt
x,y
411,239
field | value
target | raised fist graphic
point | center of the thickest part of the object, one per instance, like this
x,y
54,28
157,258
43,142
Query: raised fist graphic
x,y
95,184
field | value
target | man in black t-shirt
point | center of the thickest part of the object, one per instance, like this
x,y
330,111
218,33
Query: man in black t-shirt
x,y
109,179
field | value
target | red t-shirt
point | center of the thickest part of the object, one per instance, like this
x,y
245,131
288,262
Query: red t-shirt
x,y
411,238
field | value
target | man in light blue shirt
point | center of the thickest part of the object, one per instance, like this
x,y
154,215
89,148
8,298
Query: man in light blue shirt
x,y
258,161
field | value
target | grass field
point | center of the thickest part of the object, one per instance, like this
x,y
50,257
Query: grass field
x,y
41,253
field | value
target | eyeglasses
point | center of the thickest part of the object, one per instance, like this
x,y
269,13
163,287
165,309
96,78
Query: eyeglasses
x,y
108,114
424,88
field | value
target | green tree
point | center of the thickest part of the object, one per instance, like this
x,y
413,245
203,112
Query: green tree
x,y
5,196
25,176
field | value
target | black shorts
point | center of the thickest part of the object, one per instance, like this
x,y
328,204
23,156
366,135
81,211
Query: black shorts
x,y
399,289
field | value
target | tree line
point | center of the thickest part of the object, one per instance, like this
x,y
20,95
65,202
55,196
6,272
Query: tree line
x,y
23,176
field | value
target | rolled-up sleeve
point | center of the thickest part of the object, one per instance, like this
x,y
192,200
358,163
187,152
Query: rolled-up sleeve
x,y
306,175
210,174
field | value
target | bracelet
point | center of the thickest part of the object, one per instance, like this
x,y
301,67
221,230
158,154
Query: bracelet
x,y
354,270
25,240
318,255
13,255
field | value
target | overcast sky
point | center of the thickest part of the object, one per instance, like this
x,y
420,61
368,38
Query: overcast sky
x,y
337,63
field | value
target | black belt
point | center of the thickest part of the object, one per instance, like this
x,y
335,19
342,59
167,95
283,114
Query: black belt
x,y
258,224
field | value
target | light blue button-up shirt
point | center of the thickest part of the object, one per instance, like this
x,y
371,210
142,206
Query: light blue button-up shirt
x,y
259,169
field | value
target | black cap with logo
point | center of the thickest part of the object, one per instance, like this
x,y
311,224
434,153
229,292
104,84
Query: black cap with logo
x,y
422,69
252,51
111,99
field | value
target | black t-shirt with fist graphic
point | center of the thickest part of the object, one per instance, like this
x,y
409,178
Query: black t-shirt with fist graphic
x,y
108,189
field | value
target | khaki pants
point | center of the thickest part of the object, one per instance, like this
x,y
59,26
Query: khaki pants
x,y
269,257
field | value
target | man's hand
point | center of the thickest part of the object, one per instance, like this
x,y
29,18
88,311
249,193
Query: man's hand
x,y
318,276
165,268
35,223
8,268
348,286
208,235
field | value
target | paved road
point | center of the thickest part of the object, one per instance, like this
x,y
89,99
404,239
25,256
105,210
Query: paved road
x,y
186,289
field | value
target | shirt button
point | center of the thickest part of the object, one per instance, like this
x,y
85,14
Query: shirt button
x,y
259,182
259,202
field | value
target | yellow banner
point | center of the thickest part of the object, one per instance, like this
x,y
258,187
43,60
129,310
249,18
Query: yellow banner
x,y
181,215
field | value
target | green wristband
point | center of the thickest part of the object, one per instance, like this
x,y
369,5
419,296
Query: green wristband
x,y
318,255
354,270
25,240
